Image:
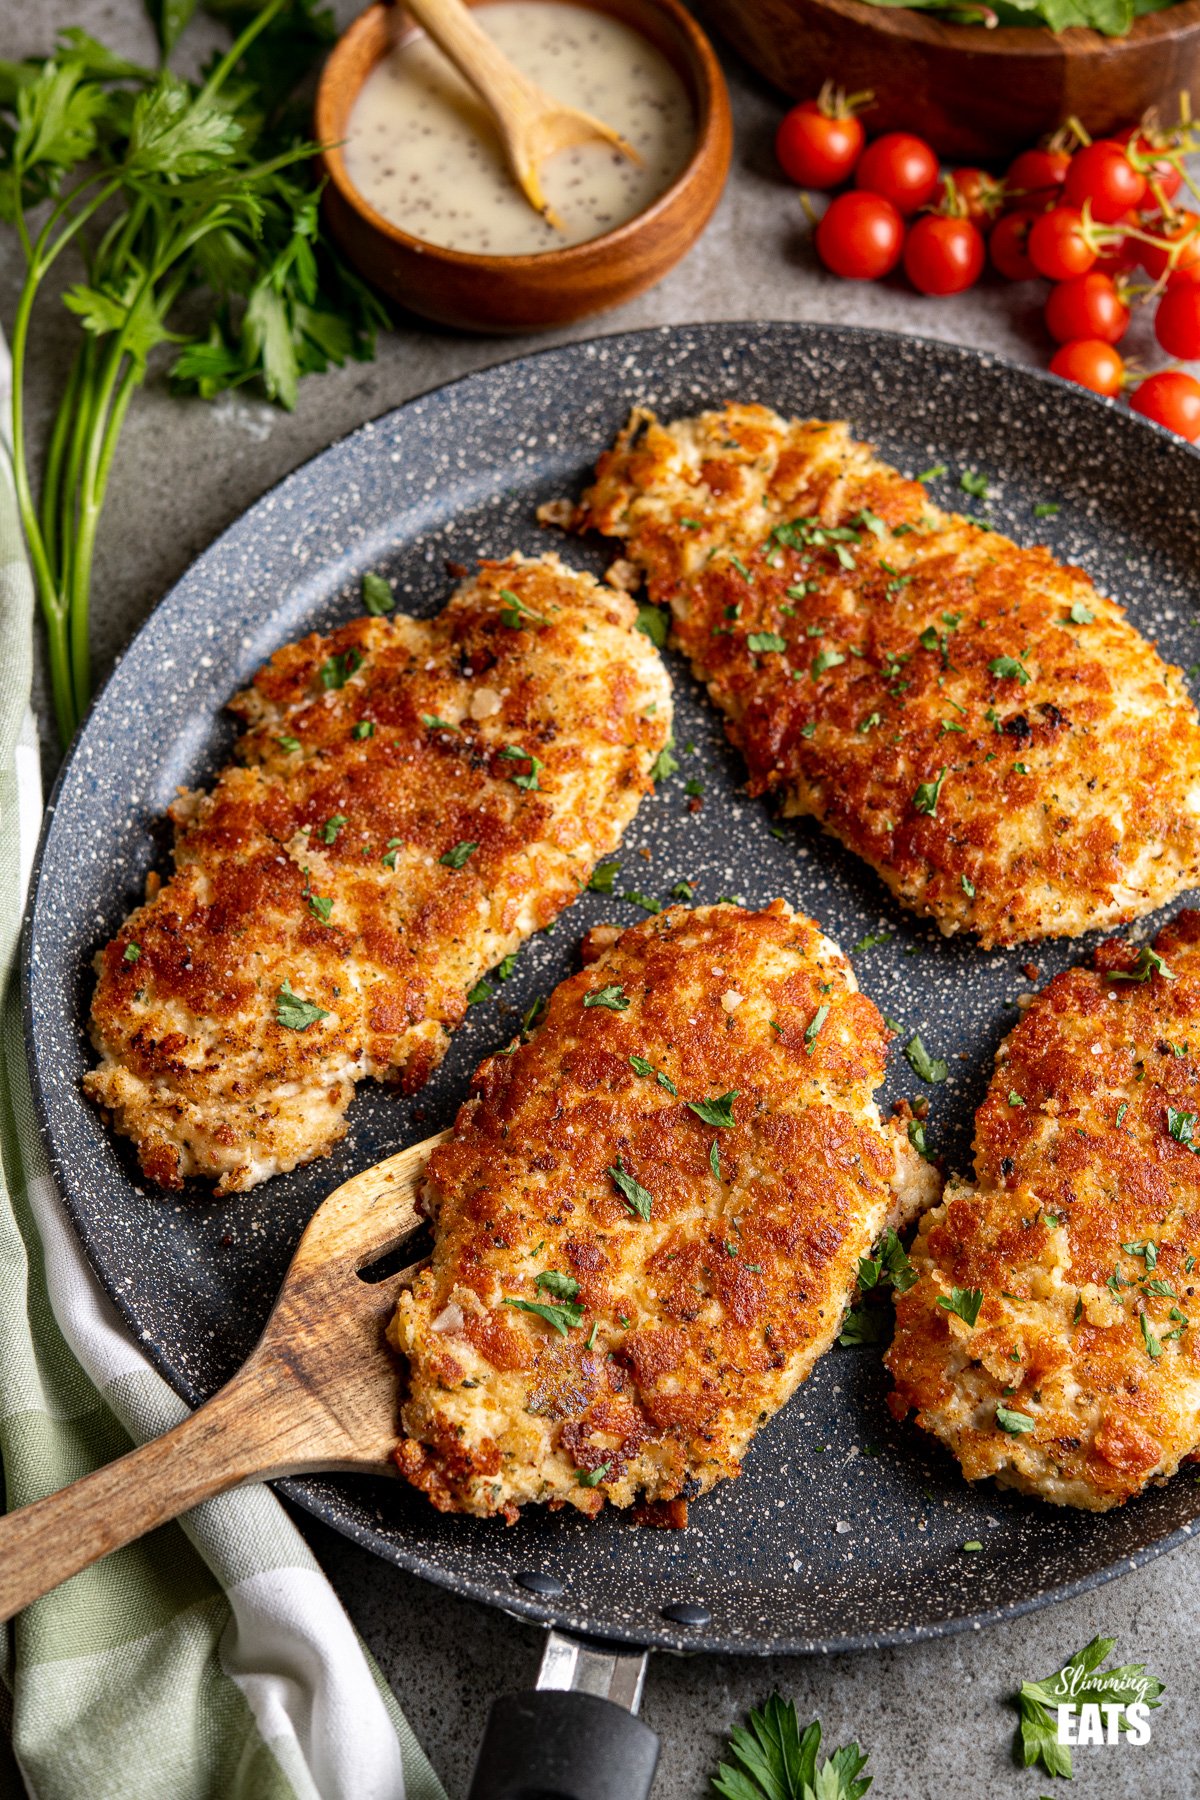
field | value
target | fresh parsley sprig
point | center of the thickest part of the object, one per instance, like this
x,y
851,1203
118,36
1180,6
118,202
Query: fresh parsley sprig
x,y
772,1759
192,207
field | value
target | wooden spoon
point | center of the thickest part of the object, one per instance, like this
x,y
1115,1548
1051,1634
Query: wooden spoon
x,y
319,1392
532,126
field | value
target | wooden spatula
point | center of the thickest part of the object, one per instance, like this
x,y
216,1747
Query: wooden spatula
x,y
319,1392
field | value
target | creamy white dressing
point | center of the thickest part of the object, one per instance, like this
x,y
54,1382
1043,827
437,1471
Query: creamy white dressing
x,y
423,151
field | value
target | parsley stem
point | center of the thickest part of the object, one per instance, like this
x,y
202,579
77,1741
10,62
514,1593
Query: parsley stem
x,y
238,49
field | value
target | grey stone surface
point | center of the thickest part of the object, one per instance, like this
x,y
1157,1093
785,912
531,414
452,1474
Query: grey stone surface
x,y
934,1716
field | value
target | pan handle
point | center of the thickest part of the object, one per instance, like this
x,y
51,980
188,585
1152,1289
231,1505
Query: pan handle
x,y
575,1737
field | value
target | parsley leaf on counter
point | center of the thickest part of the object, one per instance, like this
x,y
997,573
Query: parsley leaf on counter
x,y
1080,1682
772,1759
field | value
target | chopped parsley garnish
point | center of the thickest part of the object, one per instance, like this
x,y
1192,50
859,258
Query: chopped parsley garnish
x,y
635,1196
563,1317
563,1287
812,1029
964,1302
647,902
336,672
1153,1347
319,905
295,1013
652,621
1147,1251
870,722
456,857
715,1112
132,953
505,967
1014,1099
871,941
862,1326
612,997
433,723
331,827
641,1066
683,890
968,886
1013,1422
364,729
664,763
1148,963
514,753
929,1068
925,800
483,990
917,1138
377,595
762,641
1046,509
514,612
288,744
972,1544
826,659
389,857
772,1759
714,1159
1181,1126
1009,668
693,787
889,1267
1122,1110
602,877
932,474
1081,615
973,483
592,1477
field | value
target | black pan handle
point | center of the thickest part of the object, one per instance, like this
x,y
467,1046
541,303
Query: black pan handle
x,y
563,1746
576,1736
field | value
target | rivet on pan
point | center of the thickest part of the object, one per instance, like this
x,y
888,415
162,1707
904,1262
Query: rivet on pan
x,y
547,1585
684,1613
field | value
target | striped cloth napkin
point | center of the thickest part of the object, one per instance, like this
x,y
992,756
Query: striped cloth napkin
x,y
212,1661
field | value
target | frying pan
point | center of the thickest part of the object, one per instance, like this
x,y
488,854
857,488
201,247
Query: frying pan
x,y
844,1529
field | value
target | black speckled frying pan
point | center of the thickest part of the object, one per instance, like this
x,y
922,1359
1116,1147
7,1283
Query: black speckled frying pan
x,y
844,1529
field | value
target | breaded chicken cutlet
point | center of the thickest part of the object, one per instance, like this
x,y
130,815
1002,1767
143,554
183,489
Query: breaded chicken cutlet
x,y
412,798
1079,1379
649,1219
972,718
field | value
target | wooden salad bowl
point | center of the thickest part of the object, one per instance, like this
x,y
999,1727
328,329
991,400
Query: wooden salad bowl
x,y
976,95
554,287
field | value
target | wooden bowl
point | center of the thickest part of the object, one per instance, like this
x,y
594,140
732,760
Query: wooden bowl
x,y
976,95
554,287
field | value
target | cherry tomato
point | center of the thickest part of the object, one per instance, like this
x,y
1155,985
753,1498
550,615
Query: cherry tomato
x,y
900,167
1164,175
1009,246
1087,306
1103,174
979,193
1177,321
1092,363
818,149
1058,245
1182,231
1036,175
943,256
1170,398
860,236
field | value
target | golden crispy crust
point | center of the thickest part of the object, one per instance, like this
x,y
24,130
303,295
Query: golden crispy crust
x,y
369,756
696,1324
1097,1343
1069,800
